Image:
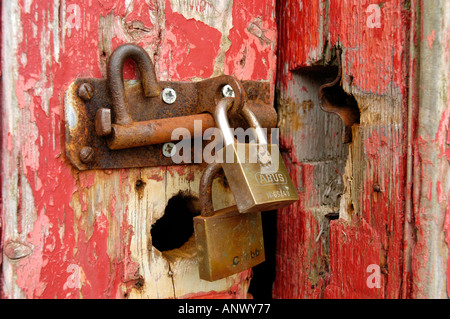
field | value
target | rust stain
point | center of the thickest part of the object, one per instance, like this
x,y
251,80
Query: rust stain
x,y
289,115
140,187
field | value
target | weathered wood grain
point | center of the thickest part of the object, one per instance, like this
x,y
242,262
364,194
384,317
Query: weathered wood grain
x,y
431,188
71,234
374,38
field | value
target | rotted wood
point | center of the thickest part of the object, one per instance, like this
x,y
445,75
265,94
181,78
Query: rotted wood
x,y
362,185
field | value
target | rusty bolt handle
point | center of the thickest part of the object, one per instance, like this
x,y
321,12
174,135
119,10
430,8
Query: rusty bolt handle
x,y
125,133
115,77
206,205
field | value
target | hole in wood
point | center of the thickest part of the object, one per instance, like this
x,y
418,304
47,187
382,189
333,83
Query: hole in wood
x,y
140,186
337,101
263,279
332,216
176,227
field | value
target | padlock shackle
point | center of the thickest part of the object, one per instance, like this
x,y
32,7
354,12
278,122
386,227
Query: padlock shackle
x,y
205,196
221,117
115,78
252,120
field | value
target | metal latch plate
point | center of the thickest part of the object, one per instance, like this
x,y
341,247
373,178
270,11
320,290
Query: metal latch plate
x,y
86,150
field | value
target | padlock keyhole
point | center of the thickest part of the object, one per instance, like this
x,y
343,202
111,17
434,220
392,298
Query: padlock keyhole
x,y
176,226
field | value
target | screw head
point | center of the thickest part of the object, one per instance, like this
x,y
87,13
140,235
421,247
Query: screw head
x,y
86,91
227,91
87,154
169,95
169,149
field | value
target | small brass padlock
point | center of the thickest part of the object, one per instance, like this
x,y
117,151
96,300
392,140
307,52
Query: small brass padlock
x,y
227,241
261,184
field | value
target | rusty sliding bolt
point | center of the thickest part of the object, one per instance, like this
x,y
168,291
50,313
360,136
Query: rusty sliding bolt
x,y
125,133
156,131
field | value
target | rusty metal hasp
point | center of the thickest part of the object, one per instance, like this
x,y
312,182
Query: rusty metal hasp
x,y
333,99
112,123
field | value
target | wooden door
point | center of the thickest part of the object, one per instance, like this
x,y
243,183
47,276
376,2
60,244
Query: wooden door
x,y
87,234
373,217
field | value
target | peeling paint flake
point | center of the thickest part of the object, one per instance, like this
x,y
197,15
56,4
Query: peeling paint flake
x,y
190,48
431,39
216,14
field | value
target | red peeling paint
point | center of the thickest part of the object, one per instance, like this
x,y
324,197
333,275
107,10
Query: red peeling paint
x,y
440,194
87,179
447,239
384,211
141,13
57,248
157,177
443,133
307,28
252,57
373,144
301,265
431,39
298,43
31,281
237,291
82,248
376,57
351,279
190,47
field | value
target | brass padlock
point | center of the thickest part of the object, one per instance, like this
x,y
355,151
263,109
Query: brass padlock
x,y
227,241
261,184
